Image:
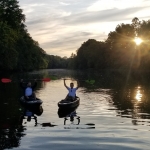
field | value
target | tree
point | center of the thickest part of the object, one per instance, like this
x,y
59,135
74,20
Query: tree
x,y
116,52
144,47
136,25
18,51
56,62
91,54
121,46
8,53
12,14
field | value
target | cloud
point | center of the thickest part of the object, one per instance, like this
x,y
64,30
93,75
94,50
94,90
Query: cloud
x,y
111,4
68,39
101,16
68,43
87,17
62,3
62,26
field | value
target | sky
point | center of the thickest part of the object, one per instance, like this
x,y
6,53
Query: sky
x,y
61,26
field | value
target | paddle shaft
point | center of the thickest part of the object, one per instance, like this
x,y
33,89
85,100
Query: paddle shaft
x,y
79,80
6,80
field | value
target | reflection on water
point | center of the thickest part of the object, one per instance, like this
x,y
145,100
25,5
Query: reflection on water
x,y
138,94
69,114
30,113
133,103
29,116
10,136
72,117
119,113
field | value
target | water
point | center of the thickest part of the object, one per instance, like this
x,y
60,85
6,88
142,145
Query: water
x,y
114,113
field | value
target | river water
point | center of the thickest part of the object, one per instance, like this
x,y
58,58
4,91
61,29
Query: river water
x,y
114,112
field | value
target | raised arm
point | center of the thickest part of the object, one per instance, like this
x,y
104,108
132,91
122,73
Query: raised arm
x,y
35,84
65,83
21,84
78,85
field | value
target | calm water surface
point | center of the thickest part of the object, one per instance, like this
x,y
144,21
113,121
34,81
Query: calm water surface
x,y
114,113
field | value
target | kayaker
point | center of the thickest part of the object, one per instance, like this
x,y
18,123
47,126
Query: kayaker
x,y
71,90
28,89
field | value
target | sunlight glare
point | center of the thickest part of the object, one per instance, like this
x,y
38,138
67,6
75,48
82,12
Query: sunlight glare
x,y
138,41
138,95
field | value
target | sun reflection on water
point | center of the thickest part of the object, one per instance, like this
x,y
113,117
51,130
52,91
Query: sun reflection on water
x,y
138,96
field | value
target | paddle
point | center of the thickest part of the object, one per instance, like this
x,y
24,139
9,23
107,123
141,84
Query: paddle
x,y
6,80
90,81
87,81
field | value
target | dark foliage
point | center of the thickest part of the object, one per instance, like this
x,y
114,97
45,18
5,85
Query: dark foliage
x,y
118,51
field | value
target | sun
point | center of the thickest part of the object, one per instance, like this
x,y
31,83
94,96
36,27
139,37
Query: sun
x,y
138,41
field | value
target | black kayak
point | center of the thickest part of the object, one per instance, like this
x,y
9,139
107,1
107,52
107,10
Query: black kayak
x,y
67,104
38,110
30,102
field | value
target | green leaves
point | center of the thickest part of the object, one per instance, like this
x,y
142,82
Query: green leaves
x,y
17,49
11,13
118,51
8,53
90,81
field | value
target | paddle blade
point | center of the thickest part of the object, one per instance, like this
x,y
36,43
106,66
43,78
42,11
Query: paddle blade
x,y
46,79
90,81
54,78
5,80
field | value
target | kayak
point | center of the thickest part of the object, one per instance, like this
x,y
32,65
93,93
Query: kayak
x,y
30,102
67,104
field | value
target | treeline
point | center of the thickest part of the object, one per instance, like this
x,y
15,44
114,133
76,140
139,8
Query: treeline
x,y
118,51
57,62
18,51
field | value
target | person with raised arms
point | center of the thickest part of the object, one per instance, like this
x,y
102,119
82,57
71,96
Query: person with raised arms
x,y
28,90
71,90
